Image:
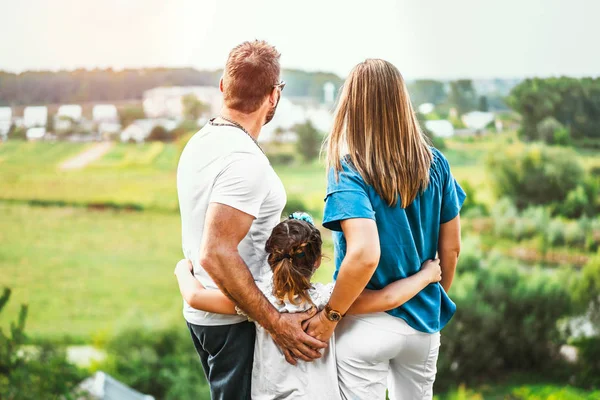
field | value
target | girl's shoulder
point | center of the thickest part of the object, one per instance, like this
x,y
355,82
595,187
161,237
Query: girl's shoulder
x,y
320,293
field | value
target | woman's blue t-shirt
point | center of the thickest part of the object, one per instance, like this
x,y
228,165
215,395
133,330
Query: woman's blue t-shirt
x,y
408,236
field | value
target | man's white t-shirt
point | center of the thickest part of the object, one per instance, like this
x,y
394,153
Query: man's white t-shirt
x,y
222,164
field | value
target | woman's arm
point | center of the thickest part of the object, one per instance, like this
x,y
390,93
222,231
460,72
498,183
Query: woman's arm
x,y
397,293
359,264
448,250
197,296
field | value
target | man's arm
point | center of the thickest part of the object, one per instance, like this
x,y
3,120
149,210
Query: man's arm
x,y
448,250
225,227
359,264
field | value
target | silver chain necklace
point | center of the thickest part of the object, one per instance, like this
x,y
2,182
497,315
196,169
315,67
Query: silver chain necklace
x,y
236,125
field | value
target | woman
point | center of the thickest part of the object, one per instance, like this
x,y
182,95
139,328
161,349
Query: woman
x,y
391,203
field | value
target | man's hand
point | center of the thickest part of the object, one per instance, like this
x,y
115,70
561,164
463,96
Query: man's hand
x,y
293,341
184,266
320,327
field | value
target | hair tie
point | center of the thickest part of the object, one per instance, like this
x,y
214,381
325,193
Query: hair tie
x,y
302,216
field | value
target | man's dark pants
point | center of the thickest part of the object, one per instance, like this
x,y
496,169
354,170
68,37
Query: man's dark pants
x,y
226,353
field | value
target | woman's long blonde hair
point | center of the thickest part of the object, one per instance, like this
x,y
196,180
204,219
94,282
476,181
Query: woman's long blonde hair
x,y
376,127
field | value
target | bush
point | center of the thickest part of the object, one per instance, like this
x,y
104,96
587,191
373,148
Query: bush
x,y
506,320
294,204
41,373
535,174
162,363
309,141
281,158
550,131
588,362
160,134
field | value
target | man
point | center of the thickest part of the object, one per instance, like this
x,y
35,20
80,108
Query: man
x,y
230,200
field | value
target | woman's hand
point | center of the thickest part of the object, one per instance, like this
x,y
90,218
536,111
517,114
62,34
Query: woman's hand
x,y
320,327
432,271
184,266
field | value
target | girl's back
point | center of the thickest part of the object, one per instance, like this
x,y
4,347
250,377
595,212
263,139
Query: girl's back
x,y
273,377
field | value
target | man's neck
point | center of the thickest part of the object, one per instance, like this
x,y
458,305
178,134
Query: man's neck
x,y
251,122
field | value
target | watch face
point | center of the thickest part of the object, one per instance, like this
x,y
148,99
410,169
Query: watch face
x,y
334,316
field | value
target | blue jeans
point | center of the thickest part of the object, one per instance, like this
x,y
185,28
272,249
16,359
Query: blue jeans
x,y
226,353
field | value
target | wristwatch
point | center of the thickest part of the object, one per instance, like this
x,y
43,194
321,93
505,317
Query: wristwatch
x,y
333,315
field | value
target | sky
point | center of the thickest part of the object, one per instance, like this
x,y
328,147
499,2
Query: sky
x,y
423,38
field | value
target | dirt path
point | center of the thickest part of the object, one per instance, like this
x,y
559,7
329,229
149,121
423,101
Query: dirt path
x,y
90,155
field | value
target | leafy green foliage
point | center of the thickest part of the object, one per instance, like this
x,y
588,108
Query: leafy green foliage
x,y
193,108
535,174
162,363
506,320
309,141
463,96
573,102
41,373
588,362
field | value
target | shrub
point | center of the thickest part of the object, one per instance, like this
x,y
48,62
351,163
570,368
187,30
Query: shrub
x,y
548,128
588,362
42,373
294,204
555,232
281,158
162,363
535,174
506,320
471,205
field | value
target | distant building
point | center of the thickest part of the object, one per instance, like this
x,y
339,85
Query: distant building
x,y
166,102
105,113
426,108
108,130
102,386
67,116
36,133
139,130
440,128
329,92
35,116
5,120
291,113
477,120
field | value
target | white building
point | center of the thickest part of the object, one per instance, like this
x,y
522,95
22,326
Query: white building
x,y
140,129
440,128
35,116
289,114
105,113
36,133
329,92
477,120
5,120
66,116
166,102
426,108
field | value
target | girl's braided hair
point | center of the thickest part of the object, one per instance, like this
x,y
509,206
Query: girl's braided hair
x,y
293,249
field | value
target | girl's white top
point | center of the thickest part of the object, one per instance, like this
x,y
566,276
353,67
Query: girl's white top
x,y
273,377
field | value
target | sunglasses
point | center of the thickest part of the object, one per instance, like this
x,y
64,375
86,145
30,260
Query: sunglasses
x,y
280,85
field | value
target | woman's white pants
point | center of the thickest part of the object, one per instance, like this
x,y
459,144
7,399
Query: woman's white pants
x,y
378,351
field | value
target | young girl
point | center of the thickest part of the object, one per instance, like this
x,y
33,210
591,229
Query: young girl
x,y
294,254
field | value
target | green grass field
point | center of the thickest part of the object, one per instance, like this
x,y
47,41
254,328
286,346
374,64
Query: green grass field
x,y
88,269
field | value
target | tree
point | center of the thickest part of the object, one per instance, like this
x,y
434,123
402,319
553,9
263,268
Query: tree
x,y
483,104
309,141
18,133
159,133
535,174
572,102
427,91
129,114
42,374
193,108
552,132
463,96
